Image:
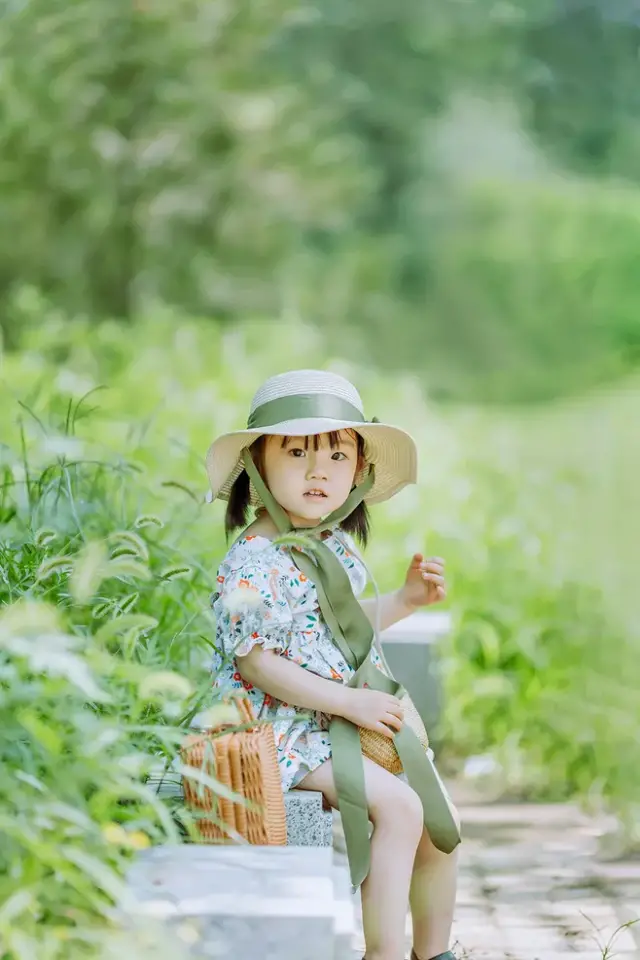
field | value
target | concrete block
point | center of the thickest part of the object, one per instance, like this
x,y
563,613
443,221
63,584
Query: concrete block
x,y
308,825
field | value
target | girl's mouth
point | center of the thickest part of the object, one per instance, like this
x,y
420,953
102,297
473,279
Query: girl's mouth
x,y
316,494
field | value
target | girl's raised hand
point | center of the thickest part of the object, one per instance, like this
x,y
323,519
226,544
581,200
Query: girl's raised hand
x,y
424,583
373,710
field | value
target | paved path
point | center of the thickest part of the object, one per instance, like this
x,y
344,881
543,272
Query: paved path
x,y
532,888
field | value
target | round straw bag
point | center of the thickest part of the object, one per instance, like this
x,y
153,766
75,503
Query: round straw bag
x,y
382,750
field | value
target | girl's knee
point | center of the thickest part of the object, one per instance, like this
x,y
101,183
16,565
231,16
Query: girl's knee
x,y
400,809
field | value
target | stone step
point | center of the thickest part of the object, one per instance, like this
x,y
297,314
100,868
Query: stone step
x,y
245,902
345,913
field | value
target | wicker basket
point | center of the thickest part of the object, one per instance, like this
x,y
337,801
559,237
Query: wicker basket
x,y
382,750
245,762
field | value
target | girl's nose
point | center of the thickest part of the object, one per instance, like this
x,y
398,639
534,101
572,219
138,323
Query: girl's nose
x,y
315,469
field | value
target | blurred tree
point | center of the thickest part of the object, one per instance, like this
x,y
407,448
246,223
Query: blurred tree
x,y
146,151
583,85
332,159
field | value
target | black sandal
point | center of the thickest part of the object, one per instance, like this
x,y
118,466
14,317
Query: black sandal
x,y
447,955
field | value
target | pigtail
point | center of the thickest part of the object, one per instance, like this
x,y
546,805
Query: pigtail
x,y
238,505
358,524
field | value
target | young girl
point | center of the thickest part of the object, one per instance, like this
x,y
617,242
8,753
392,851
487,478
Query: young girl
x,y
298,641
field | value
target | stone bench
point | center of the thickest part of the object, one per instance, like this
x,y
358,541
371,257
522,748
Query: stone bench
x,y
411,649
308,824
247,901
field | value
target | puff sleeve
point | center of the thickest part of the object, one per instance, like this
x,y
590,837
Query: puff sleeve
x,y
251,608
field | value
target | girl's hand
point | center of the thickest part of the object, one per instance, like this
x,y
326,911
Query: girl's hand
x,y
374,710
424,583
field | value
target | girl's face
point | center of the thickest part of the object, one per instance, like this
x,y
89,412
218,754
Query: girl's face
x,y
310,477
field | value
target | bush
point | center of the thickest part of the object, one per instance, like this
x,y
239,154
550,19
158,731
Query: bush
x,y
103,642
540,671
72,804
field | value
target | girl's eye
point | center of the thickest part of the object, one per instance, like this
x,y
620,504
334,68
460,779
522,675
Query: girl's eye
x,y
297,452
339,455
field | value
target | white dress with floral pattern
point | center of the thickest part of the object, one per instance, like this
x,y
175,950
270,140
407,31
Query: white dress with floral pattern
x,y
283,615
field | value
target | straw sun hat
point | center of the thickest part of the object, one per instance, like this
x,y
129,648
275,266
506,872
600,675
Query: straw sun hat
x,y
306,402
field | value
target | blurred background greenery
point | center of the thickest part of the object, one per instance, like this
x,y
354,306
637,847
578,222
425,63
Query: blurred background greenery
x,y
439,200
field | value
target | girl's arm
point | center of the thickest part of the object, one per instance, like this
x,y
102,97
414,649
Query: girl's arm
x,y
393,607
424,584
291,683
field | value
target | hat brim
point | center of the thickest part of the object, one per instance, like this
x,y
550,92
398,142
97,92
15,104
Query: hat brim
x,y
390,449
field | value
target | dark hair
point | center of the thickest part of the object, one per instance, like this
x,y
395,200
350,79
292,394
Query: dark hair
x,y
237,514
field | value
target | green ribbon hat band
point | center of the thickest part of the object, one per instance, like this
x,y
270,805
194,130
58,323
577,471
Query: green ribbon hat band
x,y
353,634
304,406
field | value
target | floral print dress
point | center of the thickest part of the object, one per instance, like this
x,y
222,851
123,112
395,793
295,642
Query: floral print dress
x,y
262,598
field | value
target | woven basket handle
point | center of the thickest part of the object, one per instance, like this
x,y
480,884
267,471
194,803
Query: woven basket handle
x,y
238,712
244,709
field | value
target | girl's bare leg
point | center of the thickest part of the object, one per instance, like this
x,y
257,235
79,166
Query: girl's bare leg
x,y
396,813
432,898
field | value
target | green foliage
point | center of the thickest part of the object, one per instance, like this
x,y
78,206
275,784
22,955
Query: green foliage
x,y
540,668
537,664
323,160
104,642
71,802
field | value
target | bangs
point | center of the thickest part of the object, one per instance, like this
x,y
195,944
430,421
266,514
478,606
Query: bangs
x,y
334,440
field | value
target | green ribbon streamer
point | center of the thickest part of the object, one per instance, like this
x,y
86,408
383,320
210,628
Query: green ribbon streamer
x,y
353,634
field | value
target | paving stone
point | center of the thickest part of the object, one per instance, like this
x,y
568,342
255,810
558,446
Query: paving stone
x,y
528,815
585,913
632,909
543,939
626,871
545,917
631,919
482,938
610,939
531,888
479,953
471,914
524,954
